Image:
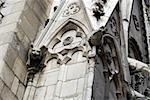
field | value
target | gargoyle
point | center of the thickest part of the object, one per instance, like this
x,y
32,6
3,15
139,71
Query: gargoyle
x,y
35,63
97,36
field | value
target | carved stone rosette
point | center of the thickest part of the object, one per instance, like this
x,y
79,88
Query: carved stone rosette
x,y
72,9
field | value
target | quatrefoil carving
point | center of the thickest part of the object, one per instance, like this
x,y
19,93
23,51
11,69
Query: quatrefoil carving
x,y
72,9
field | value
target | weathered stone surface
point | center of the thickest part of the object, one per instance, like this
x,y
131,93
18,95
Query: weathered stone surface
x,y
69,88
12,1
31,93
8,28
40,93
3,50
30,3
7,94
81,85
69,98
1,85
14,54
6,37
58,89
19,6
20,69
50,92
10,56
32,18
11,18
27,28
20,91
76,70
39,12
6,74
20,34
51,78
15,85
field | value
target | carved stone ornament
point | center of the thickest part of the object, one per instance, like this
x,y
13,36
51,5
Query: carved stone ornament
x,y
72,9
113,25
35,63
68,41
148,14
107,50
136,22
98,9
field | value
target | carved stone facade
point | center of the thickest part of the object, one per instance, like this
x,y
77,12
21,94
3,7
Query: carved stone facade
x,y
80,50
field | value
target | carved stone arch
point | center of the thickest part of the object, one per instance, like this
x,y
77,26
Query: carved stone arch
x,y
67,25
71,25
51,62
134,50
70,36
113,62
109,53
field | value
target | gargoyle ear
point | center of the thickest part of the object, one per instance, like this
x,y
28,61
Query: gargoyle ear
x,y
43,49
31,45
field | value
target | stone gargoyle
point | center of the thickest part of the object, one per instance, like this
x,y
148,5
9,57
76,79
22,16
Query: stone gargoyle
x,y
35,62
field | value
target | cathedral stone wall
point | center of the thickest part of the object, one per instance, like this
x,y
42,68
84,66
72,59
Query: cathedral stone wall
x,y
18,27
79,55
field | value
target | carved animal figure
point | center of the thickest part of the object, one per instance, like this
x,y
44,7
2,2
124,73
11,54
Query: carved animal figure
x,y
35,63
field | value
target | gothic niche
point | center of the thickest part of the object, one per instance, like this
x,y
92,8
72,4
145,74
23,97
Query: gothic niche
x,y
108,58
98,9
134,50
35,63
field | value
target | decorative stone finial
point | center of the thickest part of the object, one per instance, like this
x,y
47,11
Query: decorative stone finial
x,y
98,9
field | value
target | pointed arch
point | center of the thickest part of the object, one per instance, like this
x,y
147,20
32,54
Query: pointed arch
x,y
110,56
69,24
134,50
